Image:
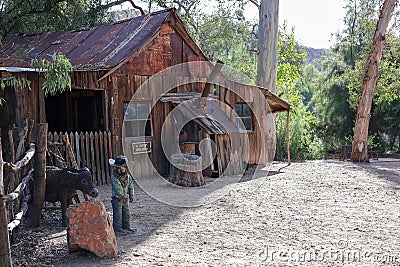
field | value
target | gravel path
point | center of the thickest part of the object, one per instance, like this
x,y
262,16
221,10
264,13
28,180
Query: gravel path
x,y
324,213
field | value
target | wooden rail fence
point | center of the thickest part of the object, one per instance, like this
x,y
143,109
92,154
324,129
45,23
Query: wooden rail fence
x,y
18,199
91,150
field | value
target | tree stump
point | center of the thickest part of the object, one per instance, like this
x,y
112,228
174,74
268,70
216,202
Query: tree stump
x,y
186,170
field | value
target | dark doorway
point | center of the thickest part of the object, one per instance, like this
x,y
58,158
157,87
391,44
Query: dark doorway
x,y
78,110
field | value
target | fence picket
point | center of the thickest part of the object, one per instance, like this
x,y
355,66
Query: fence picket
x,y
106,156
92,158
82,148
77,149
91,150
97,152
87,151
101,144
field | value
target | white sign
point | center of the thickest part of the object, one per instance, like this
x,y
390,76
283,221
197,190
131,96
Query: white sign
x,y
141,148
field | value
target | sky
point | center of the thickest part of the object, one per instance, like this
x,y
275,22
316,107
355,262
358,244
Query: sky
x,y
314,20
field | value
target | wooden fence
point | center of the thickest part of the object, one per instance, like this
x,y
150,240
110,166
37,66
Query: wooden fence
x,y
91,150
14,205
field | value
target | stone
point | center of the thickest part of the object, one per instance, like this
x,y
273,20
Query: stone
x,y
90,228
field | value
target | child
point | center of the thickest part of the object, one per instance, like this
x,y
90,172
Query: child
x,y
122,192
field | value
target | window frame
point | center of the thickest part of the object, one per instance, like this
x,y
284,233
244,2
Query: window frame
x,y
137,120
241,116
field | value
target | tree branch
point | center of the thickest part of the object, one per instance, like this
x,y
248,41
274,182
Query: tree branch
x,y
116,3
255,3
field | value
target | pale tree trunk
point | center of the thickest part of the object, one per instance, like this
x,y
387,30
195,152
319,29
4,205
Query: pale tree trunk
x,y
267,63
359,151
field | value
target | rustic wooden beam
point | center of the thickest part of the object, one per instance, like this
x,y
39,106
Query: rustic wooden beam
x,y
210,82
19,189
70,152
288,137
22,133
23,162
39,182
74,165
51,144
18,217
5,252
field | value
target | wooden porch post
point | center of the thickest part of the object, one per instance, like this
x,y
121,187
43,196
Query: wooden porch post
x,y
288,137
39,182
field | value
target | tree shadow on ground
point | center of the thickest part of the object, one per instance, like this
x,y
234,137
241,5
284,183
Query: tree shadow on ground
x,y
387,169
148,215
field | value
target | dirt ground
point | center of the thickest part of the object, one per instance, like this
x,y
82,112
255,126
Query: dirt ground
x,y
324,213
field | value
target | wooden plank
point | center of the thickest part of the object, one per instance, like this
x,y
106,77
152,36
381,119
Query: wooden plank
x,y
97,149
72,144
101,152
77,150
106,157
65,151
92,158
69,151
87,152
50,139
110,145
82,150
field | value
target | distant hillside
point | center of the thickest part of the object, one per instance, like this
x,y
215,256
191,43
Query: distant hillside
x,y
315,56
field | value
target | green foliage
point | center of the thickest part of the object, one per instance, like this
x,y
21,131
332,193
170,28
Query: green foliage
x,y
339,94
291,61
56,72
228,38
304,142
13,83
51,15
297,83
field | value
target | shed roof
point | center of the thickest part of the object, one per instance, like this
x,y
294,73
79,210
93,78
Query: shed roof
x,y
213,119
101,47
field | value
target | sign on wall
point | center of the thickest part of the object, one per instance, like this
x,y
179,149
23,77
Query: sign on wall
x,y
141,148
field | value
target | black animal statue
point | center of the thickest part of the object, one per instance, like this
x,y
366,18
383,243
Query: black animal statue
x,y
61,185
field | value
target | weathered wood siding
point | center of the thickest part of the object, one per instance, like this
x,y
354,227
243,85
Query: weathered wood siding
x,y
164,51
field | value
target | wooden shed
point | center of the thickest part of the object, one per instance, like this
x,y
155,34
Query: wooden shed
x,y
110,64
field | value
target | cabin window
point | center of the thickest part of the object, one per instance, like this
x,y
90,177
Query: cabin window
x,y
243,119
137,119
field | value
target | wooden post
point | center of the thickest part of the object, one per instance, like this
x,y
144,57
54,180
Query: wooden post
x,y
73,163
70,152
210,82
42,101
288,137
39,182
5,253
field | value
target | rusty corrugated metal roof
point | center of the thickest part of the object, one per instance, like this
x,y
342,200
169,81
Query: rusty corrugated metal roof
x,y
212,118
100,47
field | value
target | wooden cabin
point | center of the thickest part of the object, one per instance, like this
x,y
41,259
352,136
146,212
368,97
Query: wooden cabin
x,y
116,79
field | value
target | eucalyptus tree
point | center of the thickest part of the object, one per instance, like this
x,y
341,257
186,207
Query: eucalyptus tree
x,y
360,149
